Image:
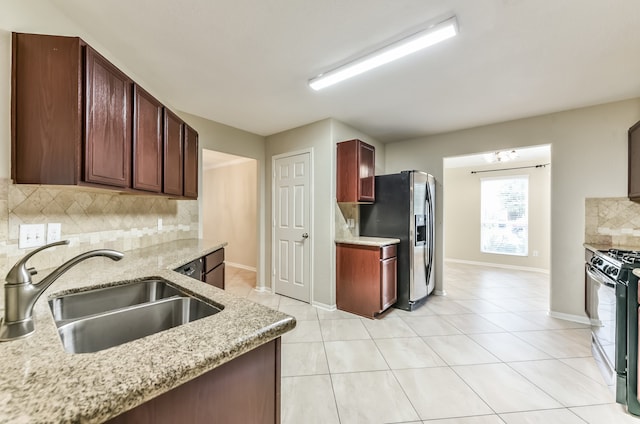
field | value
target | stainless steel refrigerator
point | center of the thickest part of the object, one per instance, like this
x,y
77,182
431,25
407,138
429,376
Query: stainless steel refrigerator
x,y
404,208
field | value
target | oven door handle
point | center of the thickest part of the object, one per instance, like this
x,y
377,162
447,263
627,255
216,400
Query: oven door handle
x,y
599,278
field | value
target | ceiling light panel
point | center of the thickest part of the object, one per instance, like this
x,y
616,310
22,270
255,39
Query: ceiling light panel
x,y
416,42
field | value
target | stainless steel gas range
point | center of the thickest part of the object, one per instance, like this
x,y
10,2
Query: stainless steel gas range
x,y
612,307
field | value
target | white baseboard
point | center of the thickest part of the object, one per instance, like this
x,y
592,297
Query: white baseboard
x,y
235,265
494,265
439,292
324,306
580,319
264,289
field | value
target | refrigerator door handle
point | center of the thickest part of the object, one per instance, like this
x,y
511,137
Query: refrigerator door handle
x,y
428,251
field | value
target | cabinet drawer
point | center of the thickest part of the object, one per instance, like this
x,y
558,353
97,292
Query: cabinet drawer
x,y
214,259
388,251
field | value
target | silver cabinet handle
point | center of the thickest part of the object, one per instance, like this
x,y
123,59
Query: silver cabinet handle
x,y
305,235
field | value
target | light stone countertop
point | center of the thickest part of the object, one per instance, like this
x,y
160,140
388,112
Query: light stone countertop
x,y
40,382
596,247
368,241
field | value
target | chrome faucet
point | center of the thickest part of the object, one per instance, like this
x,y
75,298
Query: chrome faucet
x,y
20,294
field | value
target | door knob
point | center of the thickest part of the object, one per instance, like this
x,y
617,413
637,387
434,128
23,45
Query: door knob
x,y
305,235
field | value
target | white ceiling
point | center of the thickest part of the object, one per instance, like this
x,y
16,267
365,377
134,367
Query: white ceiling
x,y
246,63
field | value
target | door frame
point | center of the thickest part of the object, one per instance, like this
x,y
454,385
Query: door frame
x,y
274,158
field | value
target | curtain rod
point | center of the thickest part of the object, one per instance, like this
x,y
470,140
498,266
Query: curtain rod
x,y
508,169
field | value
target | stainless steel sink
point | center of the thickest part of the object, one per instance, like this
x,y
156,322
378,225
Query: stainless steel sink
x,y
98,319
91,302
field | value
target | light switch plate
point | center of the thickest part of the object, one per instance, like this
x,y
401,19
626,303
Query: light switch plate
x,y
31,235
54,232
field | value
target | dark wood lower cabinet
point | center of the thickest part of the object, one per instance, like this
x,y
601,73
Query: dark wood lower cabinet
x,y
215,277
366,278
245,390
213,272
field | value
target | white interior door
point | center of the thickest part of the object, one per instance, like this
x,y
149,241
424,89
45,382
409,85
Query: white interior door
x,y
291,226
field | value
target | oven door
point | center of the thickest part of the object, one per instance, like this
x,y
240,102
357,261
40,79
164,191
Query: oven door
x,y
601,309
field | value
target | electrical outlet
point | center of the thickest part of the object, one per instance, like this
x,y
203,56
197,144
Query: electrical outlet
x,y
31,235
159,224
54,232
535,253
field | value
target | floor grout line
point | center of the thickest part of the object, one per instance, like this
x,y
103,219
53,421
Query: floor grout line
x,y
442,310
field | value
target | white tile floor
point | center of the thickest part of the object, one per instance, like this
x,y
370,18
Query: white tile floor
x,y
487,353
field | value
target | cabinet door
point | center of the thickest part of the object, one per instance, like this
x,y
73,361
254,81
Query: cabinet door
x,y
215,277
46,113
367,171
243,390
213,259
108,134
388,282
355,168
358,279
147,142
190,162
173,152
634,162
347,172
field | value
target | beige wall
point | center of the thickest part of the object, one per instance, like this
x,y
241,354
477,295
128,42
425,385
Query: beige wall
x,y
229,205
461,206
223,138
315,136
589,157
321,137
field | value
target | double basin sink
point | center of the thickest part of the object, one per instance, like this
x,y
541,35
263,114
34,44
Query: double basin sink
x,y
98,319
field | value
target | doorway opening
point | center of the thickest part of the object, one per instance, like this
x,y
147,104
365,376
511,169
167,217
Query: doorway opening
x,y
473,220
230,213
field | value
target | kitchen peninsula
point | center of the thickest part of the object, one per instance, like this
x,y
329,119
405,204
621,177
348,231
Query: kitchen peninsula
x,y
43,383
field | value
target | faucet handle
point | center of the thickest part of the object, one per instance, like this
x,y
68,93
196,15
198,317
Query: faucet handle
x,y
19,273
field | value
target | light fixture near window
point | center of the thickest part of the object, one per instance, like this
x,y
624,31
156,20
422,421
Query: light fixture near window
x,y
411,44
501,156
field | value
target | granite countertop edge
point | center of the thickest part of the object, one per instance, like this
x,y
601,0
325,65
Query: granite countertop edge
x,y
367,241
594,247
43,383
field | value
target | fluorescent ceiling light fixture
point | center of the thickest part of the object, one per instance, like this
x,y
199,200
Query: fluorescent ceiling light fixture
x,y
411,44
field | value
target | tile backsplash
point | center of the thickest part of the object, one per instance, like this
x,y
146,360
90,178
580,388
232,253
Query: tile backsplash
x,y
90,219
344,212
612,221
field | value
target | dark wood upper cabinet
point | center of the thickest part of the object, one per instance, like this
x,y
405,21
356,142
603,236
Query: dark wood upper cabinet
x,y
147,141
108,116
634,163
173,153
190,162
46,118
356,166
78,120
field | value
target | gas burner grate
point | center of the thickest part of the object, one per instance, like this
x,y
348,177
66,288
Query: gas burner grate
x,y
626,256
632,258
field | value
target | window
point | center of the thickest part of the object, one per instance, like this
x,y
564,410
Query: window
x,y
504,226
